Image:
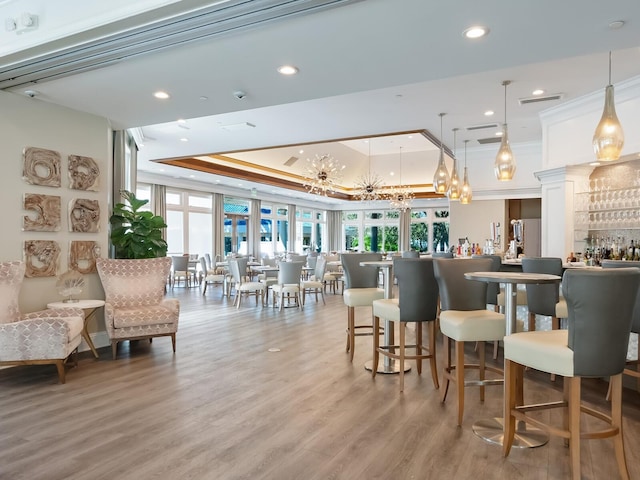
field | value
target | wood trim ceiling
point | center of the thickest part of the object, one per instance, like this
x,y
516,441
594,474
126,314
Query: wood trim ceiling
x,y
267,176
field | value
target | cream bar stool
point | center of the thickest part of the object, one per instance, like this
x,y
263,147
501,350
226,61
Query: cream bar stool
x,y
600,307
418,302
361,289
465,318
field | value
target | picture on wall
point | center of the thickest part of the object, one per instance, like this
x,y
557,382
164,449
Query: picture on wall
x,y
41,167
82,256
84,173
84,215
41,258
44,213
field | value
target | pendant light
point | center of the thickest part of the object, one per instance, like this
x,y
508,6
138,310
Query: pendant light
x,y
505,165
400,196
441,175
454,184
465,191
608,138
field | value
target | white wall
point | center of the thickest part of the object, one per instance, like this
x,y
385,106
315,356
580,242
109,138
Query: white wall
x,y
473,220
29,122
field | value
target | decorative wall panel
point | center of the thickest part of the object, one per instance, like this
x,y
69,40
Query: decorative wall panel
x,y
41,258
82,256
84,215
45,213
84,173
41,167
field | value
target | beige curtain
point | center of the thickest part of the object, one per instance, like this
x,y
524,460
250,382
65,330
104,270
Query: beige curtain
x,y
404,230
218,225
159,204
334,230
254,228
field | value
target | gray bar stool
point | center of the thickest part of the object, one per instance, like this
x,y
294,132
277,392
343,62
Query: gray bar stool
x,y
465,318
417,302
360,290
600,308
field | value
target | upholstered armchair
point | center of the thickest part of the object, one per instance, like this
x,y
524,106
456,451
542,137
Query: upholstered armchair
x,y
135,307
45,337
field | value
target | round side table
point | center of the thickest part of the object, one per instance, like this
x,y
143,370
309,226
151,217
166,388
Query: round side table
x,y
90,307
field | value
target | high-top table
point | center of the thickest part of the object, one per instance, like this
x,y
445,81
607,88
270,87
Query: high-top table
x,y
389,365
492,429
90,306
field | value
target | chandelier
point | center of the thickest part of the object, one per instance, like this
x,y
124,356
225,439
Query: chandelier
x,y
323,174
454,184
368,185
441,175
400,196
466,193
608,139
505,164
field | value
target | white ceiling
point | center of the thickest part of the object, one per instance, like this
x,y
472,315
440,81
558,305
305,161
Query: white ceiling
x,y
367,68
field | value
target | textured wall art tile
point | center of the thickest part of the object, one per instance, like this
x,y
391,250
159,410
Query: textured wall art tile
x,y
41,258
82,256
41,167
44,213
84,215
84,173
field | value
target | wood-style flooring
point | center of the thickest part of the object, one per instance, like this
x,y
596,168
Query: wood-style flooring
x,y
226,407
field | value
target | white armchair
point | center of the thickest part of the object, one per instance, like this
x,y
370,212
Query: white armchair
x,y
135,307
45,337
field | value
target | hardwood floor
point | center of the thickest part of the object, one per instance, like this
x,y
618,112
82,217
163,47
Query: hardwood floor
x,y
225,407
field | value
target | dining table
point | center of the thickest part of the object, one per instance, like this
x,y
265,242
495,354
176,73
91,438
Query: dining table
x,y
491,429
389,365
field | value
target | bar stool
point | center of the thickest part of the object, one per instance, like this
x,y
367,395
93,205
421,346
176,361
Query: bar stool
x,y
418,302
544,299
464,318
361,289
600,307
635,324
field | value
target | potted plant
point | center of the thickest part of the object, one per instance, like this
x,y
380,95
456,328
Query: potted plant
x,y
135,233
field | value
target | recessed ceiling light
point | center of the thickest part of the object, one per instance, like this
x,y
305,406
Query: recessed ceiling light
x,y
410,136
162,169
288,70
391,173
203,98
594,164
217,181
488,113
499,134
476,31
615,25
538,91
161,95
301,151
181,121
183,139
192,176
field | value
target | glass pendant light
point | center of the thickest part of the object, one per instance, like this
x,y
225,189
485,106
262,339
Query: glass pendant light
x,y
454,184
608,138
505,165
441,175
465,191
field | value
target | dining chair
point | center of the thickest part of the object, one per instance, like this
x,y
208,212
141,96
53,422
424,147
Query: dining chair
x,y
600,308
180,270
464,318
238,270
315,284
288,284
417,303
360,290
635,324
493,292
210,277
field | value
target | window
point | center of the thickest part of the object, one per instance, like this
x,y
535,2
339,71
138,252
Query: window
x,y
429,227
